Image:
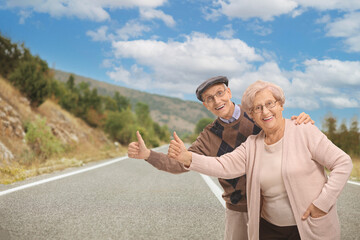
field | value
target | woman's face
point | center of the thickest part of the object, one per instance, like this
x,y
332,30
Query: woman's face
x,y
270,118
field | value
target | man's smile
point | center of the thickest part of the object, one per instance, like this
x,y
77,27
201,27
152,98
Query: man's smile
x,y
220,107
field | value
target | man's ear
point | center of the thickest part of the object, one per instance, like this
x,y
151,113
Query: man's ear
x,y
205,105
229,92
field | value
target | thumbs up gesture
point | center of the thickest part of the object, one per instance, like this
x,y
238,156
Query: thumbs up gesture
x,y
178,151
138,149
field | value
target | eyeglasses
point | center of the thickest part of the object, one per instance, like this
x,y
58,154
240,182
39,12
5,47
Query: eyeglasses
x,y
211,99
260,108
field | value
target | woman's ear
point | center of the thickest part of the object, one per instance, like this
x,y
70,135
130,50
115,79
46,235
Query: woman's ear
x,y
251,115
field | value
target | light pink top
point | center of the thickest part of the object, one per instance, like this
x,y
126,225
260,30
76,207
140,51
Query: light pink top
x,y
276,207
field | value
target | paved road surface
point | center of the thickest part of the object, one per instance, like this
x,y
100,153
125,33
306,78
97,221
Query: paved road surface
x,y
128,199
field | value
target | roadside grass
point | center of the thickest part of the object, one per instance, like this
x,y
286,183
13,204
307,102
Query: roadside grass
x,y
355,173
10,173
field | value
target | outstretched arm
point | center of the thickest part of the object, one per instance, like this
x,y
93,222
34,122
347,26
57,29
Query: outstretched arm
x,y
227,166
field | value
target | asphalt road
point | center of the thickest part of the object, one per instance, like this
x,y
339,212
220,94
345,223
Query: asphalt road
x,y
128,199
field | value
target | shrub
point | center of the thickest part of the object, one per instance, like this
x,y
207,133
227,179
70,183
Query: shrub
x,y
30,78
41,140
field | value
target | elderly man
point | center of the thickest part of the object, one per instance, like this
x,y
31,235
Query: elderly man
x,y
228,131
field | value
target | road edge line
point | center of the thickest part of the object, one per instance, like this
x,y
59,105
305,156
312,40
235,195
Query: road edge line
x,y
67,174
355,183
61,176
214,188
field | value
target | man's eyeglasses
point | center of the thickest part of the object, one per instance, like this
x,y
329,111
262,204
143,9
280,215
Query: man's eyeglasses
x,y
260,108
211,99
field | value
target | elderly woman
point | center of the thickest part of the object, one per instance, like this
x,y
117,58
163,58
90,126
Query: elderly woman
x,y
289,194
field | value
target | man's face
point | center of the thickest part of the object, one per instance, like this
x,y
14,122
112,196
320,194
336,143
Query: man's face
x,y
217,99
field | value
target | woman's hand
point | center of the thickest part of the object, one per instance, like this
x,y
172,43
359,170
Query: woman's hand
x,y
313,211
178,151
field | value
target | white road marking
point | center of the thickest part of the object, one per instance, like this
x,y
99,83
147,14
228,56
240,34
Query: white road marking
x,y
355,183
68,174
61,176
214,188
218,192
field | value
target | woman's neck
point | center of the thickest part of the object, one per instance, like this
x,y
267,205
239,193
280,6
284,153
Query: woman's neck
x,y
272,136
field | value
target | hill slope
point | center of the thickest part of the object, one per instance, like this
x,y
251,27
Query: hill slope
x,y
177,114
22,157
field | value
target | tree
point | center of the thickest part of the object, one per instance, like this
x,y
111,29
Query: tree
x,y
343,137
109,104
30,77
143,115
329,127
121,101
70,84
354,136
162,132
201,124
10,55
117,121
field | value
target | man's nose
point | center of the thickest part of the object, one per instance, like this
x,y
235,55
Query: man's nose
x,y
216,99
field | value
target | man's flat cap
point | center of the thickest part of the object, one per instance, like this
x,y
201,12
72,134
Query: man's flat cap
x,y
208,83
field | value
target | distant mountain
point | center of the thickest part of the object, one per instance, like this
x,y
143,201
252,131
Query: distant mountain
x,y
177,114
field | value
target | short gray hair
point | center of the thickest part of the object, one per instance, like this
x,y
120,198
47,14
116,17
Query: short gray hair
x,y
247,100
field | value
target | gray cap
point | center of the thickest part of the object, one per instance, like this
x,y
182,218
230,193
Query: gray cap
x,y
208,83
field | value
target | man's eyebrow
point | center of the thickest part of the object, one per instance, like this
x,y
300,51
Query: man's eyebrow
x,y
218,89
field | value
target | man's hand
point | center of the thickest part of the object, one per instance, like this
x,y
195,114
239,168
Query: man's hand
x,y
178,151
313,211
138,149
302,118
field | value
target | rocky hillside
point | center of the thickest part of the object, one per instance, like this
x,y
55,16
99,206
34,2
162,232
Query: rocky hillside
x,y
83,143
177,114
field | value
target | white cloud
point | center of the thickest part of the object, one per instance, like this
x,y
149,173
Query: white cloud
x,y
227,33
327,83
24,14
211,13
120,74
149,14
99,35
268,10
131,29
93,9
107,63
181,65
332,72
324,19
258,28
264,9
341,102
347,27
176,67
323,5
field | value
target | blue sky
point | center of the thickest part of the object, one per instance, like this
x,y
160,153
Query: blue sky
x,y
310,48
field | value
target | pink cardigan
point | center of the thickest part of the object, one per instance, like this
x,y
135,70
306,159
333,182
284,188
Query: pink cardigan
x,y
306,151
